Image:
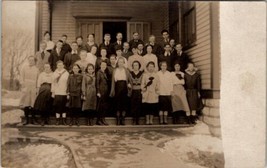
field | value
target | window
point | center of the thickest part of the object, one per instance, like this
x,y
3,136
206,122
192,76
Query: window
x,y
143,28
87,27
189,25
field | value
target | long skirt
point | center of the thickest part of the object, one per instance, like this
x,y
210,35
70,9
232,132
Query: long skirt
x,y
136,103
74,102
60,104
150,108
165,103
43,102
28,95
102,105
121,92
179,100
193,99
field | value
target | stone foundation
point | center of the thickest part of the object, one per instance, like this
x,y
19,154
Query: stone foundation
x,y
211,116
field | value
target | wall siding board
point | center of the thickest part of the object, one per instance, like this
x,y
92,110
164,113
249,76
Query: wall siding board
x,y
201,52
66,12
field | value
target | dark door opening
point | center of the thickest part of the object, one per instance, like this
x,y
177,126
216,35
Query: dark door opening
x,y
113,28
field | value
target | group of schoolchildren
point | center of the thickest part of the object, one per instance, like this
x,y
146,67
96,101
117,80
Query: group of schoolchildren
x,y
120,78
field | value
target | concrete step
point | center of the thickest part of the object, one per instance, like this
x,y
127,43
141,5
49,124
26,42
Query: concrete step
x,y
112,120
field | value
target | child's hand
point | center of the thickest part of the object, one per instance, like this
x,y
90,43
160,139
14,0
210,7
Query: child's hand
x,y
198,94
98,95
53,95
68,97
129,86
83,97
143,89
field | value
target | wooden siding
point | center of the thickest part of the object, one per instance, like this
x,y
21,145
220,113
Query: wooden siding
x,y
66,12
44,18
201,53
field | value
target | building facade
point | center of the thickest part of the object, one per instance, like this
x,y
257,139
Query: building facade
x,y
193,24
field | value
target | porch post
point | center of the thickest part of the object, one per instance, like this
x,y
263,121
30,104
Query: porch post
x,y
50,6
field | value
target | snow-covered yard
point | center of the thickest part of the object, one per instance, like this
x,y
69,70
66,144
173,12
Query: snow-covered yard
x,y
192,147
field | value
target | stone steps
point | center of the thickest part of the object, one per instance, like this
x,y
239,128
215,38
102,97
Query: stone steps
x,y
112,121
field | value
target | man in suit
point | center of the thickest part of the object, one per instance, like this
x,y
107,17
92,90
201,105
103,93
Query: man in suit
x,y
126,50
106,44
165,36
166,56
118,43
178,56
65,47
71,57
172,43
56,55
140,49
42,56
136,40
81,46
156,48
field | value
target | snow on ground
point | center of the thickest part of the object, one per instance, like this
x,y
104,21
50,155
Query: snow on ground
x,y
11,117
36,156
196,146
10,98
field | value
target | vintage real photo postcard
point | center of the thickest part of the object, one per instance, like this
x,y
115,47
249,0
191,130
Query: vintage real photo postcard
x,y
133,84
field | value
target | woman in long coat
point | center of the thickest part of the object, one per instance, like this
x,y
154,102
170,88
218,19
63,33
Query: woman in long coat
x,y
121,89
150,92
43,102
74,94
89,92
179,100
193,87
136,97
102,91
28,80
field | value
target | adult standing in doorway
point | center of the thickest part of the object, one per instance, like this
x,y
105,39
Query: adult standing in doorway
x,y
91,42
118,43
106,44
136,40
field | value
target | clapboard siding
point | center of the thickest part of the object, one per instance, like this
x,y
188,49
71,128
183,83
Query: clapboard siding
x,y
63,21
201,53
66,12
44,18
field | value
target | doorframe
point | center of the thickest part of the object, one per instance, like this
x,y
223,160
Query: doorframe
x,y
99,19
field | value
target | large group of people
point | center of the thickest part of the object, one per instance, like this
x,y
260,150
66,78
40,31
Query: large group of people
x,y
67,80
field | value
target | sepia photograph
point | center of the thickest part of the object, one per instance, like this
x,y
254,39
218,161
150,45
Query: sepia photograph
x,y
133,84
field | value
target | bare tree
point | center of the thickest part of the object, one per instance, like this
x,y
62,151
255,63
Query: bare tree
x,y
17,46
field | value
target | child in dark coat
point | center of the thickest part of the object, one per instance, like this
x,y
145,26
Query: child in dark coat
x,y
102,91
74,94
89,93
193,87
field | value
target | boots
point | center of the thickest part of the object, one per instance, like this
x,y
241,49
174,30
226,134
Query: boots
x,y
77,121
188,120
161,119
64,121
137,121
98,121
123,120
118,120
57,121
147,119
104,121
26,114
165,118
71,122
193,121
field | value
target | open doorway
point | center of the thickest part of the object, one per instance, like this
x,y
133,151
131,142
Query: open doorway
x,y
113,28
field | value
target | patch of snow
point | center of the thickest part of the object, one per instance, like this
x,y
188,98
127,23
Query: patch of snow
x,y
10,98
12,117
42,155
197,140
